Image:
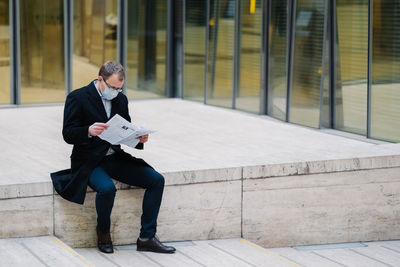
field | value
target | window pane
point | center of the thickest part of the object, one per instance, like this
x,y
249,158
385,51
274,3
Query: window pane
x,y
42,51
221,45
278,59
4,52
307,62
352,50
147,46
195,32
385,95
248,95
95,38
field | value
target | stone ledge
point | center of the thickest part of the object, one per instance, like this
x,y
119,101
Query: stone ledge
x,y
44,188
323,166
23,190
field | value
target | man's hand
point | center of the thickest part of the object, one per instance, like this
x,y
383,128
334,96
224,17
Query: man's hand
x,y
97,128
144,138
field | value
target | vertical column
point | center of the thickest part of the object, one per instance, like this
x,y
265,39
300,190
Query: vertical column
x,y
290,51
264,58
147,44
369,77
236,53
208,10
68,43
332,65
122,32
15,59
323,65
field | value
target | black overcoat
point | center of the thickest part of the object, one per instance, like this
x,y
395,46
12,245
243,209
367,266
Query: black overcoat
x,y
83,107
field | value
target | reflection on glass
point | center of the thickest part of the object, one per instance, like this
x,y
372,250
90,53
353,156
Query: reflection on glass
x,y
220,49
352,50
4,52
147,46
278,59
385,92
248,94
42,51
95,38
307,62
195,32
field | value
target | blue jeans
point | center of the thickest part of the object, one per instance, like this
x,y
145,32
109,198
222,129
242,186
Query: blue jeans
x,y
126,171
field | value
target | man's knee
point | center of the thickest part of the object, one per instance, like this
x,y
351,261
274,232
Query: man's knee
x,y
159,180
108,190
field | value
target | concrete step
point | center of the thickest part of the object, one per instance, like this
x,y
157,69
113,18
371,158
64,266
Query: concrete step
x,y
223,252
50,251
38,251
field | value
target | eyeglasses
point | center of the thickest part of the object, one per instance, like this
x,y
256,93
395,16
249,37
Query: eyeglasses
x,y
119,90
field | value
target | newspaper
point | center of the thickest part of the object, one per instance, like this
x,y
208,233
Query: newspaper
x,y
121,131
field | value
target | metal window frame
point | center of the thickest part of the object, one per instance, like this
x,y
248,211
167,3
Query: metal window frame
x,y
182,61
208,10
68,44
264,57
369,70
333,64
122,36
15,53
323,63
290,52
170,61
237,37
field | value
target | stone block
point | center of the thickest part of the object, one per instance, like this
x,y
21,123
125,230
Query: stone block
x,y
188,212
322,208
201,211
22,217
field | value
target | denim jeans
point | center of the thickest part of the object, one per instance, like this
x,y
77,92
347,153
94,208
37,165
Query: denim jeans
x,y
126,171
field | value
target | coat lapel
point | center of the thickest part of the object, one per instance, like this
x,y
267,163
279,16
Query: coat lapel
x,y
95,99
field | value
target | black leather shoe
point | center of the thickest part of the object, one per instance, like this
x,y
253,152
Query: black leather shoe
x,y
104,242
153,245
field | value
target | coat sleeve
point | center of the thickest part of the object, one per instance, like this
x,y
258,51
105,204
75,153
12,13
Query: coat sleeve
x,y
73,130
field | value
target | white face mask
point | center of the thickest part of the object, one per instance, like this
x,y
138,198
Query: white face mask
x,y
109,94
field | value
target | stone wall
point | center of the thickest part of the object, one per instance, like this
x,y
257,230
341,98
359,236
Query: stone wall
x,y
273,205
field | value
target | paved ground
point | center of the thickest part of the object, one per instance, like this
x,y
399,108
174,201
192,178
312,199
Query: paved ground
x,y
49,251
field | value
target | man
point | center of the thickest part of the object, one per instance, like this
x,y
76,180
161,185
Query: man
x,y
94,161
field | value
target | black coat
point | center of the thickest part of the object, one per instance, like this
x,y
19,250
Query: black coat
x,y
83,107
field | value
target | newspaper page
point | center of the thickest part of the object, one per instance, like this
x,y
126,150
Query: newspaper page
x,y
121,131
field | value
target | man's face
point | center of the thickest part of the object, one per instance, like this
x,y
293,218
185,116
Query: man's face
x,y
113,82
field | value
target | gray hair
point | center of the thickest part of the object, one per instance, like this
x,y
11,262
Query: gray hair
x,y
112,67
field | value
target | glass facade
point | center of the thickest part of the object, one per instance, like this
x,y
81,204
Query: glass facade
x,y
147,49
385,89
4,52
221,41
42,51
248,91
330,63
195,49
95,38
307,62
278,57
352,63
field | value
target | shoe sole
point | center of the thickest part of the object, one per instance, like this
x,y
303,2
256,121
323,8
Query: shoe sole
x,y
150,250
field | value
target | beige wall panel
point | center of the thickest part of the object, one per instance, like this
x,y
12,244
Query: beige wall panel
x,y
22,217
322,208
